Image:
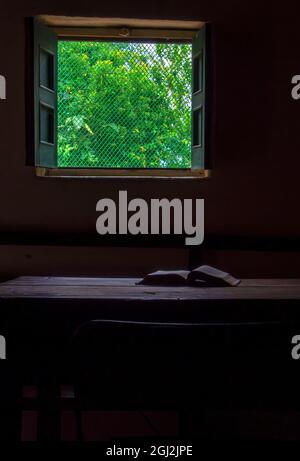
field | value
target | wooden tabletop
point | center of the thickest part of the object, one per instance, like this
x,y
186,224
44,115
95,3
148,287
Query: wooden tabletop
x,y
126,289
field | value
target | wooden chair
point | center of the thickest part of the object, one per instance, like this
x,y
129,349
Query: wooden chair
x,y
121,365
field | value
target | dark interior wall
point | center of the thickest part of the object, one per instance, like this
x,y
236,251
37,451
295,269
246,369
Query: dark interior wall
x,y
253,188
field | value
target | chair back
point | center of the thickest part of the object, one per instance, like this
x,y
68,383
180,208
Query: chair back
x,y
150,365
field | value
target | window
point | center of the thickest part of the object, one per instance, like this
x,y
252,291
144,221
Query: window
x,y
124,104
126,101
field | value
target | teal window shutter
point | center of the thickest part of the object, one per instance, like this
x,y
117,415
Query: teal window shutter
x,y
45,96
200,99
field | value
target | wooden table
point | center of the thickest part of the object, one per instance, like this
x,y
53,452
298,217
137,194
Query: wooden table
x,y
63,302
74,288
58,305
39,314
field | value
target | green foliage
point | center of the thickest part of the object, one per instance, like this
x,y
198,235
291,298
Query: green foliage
x,y
124,105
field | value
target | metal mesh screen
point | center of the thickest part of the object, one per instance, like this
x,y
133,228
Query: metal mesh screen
x,y
124,105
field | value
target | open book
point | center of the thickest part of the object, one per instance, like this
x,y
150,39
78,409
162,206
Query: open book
x,y
201,276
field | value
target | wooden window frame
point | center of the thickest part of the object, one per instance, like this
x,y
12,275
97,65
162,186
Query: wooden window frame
x,y
130,29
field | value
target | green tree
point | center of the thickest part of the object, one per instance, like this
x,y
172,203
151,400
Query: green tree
x,y
124,105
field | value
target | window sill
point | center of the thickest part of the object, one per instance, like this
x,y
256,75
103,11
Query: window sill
x,y
87,173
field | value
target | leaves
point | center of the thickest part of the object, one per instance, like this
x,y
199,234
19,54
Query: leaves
x,y
124,105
